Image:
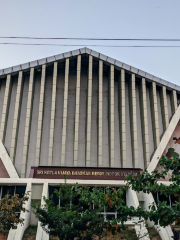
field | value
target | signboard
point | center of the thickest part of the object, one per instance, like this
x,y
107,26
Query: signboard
x,y
85,173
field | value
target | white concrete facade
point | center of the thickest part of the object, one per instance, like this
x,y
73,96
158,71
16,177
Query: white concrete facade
x,y
77,106
83,109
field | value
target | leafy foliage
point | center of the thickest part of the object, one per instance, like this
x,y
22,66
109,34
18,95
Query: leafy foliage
x,y
10,206
161,213
69,220
85,218
110,199
171,153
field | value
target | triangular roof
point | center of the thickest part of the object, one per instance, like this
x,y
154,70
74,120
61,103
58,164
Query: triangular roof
x,y
97,55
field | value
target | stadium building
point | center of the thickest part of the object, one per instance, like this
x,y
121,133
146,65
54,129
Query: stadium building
x,y
85,115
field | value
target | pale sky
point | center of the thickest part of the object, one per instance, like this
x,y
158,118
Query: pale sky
x,y
94,19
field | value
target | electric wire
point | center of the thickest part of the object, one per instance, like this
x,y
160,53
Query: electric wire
x,y
94,39
89,45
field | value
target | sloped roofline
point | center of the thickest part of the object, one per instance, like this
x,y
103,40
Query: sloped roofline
x,y
95,54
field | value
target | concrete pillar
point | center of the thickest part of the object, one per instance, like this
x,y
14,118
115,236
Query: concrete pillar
x,y
100,114
76,129
28,123
17,234
111,116
154,114
53,110
173,101
5,109
40,117
164,108
133,120
140,227
41,234
89,105
144,121
9,166
122,117
63,147
148,199
16,116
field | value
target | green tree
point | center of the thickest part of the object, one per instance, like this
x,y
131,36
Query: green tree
x,y
69,220
109,199
82,219
10,206
161,212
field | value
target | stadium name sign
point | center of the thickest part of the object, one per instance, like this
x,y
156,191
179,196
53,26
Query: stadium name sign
x,y
82,173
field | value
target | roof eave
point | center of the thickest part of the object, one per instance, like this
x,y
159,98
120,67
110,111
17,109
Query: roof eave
x,y
95,54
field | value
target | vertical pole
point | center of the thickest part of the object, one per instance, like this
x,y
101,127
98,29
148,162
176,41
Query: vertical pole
x,y
76,130
164,108
100,112
122,118
144,121
5,109
133,120
41,234
40,117
28,123
173,101
89,104
64,128
154,114
53,107
16,117
111,116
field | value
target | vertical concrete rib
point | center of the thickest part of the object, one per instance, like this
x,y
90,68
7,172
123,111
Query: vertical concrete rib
x,y
173,101
133,120
122,117
111,117
164,107
40,117
154,114
53,107
144,121
100,112
76,130
16,116
5,109
63,147
89,104
28,123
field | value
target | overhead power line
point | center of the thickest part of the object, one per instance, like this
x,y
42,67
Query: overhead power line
x,y
89,45
96,39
